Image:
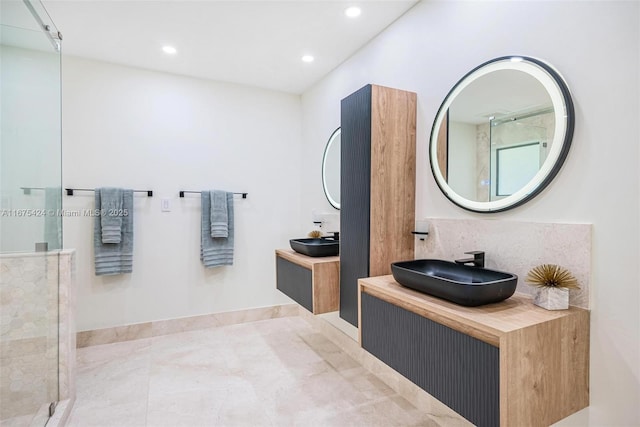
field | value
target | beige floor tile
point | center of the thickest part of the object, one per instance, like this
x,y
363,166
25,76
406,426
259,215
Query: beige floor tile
x,y
277,372
131,414
191,408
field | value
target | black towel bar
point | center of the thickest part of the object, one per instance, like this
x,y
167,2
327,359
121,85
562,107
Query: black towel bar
x,y
244,195
71,190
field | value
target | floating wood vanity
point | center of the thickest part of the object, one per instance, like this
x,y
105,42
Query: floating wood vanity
x,y
312,282
507,364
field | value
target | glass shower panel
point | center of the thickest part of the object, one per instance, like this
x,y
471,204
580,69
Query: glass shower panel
x,y
30,159
30,217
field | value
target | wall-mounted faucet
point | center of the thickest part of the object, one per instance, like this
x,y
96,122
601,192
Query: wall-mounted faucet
x,y
476,261
335,235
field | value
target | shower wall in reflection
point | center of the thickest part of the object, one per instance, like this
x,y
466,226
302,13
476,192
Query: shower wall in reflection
x,y
491,160
518,148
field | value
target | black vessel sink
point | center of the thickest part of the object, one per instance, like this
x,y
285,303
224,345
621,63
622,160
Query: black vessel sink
x,y
316,247
461,284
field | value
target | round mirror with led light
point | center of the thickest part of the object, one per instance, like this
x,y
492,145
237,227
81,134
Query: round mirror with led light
x,y
331,169
502,134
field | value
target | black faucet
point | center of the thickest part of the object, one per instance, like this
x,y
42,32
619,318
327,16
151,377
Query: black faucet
x,y
336,236
476,261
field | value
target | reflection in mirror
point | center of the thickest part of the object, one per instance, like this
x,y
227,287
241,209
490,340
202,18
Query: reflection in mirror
x,y
515,166
501,134
331,169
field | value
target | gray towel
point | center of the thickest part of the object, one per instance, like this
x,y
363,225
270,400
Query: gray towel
x,y
53,219
219,214
218,251
114,258
111,214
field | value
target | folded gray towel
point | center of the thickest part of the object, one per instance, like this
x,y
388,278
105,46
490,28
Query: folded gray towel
x,y
114,258
218,251
219,215
111,210
53,219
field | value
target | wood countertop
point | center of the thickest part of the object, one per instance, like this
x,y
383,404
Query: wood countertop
x,y
304,260
488,323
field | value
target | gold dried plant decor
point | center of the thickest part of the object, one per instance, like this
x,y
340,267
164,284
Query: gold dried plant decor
x,y
315,234
552,276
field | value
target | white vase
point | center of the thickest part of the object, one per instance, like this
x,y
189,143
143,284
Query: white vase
x,y
552,298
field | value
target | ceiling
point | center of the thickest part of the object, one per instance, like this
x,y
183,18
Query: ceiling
x,y
257,43
499,94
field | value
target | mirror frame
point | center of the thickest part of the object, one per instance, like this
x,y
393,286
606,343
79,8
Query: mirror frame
x,y
562,137
332,201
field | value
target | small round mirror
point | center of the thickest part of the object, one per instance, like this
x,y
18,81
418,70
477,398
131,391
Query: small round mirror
x,y
331,169
501,134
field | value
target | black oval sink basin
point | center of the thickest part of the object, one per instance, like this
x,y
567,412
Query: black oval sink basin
x,y
315,247
461,284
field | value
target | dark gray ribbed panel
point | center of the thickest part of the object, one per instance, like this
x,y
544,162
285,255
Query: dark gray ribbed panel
x,y
355,186
295,282
460,371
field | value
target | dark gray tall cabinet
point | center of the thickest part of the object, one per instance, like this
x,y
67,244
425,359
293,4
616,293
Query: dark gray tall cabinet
x,y
378,164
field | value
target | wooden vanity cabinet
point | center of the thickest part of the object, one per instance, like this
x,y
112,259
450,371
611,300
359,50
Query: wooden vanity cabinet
x,y
377,185
311,282
509,364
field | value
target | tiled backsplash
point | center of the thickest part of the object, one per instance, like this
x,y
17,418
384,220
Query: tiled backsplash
x,y
515,247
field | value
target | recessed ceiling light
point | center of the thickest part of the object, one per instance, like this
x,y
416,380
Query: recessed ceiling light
x,y
353,12
170,50
307,58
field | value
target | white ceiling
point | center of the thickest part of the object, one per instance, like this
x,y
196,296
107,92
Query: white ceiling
x,y
499,94
257,43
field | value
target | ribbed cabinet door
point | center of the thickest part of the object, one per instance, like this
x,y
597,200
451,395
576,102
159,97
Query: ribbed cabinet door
x,y
460,371
295,281
355,163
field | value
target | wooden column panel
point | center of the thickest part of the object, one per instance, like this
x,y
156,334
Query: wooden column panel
x,y
393,178
443,148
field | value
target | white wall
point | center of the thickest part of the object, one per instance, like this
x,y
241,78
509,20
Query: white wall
x,y
596,46
139,129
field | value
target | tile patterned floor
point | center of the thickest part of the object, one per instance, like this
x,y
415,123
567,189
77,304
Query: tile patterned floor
x,y
277,372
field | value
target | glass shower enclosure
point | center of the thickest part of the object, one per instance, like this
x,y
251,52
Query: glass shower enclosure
x,y
518,147
30,213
